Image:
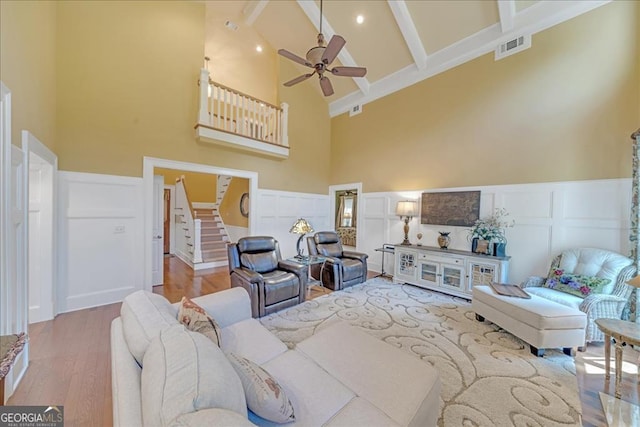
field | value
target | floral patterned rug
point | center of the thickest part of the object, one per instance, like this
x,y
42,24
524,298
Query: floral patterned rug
x,y
489,377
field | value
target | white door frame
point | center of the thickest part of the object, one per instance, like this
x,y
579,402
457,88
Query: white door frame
x,y
333,189
148,166
5,168
47,236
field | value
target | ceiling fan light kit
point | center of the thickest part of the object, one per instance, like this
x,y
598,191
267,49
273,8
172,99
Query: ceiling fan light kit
x,y
320,58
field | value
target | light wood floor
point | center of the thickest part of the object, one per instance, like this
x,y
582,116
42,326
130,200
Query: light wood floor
x,y
70,363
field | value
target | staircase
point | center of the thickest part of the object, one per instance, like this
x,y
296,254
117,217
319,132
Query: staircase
x,y
213,236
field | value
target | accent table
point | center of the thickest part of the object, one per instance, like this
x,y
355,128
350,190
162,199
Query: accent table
x,y
623,333
308,261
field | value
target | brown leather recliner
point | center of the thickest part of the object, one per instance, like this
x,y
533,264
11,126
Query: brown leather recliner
x,y
273,284
342,268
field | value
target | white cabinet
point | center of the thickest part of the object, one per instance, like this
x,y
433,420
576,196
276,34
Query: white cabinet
x,y
449,271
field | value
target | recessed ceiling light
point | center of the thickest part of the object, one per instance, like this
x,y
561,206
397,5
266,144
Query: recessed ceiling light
x,y
359,19
259,48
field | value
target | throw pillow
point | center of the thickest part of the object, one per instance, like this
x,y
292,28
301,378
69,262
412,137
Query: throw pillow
x,y
197,320
575,284
264,395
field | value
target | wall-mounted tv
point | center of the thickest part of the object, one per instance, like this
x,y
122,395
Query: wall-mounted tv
x,y
458,208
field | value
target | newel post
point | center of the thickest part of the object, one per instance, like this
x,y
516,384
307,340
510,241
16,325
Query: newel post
x,y
197,250
203,116
285,124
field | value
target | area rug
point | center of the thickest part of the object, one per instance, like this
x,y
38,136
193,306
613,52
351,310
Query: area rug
x,y
489,377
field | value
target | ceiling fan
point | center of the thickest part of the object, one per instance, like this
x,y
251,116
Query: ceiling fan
x,y
320,58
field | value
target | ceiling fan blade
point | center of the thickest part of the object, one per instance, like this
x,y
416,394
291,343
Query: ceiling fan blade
x,y
298,79
326,86
333,48
349,71
294,57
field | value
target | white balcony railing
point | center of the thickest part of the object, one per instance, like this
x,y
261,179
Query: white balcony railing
x,y
230,117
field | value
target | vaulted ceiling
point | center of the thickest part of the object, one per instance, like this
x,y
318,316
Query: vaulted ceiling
x,y
400,42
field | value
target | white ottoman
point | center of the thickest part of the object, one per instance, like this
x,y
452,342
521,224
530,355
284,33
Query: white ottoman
x,y
538,321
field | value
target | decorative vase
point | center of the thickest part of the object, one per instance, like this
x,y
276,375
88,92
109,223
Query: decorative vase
x,y
444,239
500,249
419,236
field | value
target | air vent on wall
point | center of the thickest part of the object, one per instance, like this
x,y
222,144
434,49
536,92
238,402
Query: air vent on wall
x,y
356,109
512,46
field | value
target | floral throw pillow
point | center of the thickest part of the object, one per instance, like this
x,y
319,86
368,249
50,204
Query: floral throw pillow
x,y
264,395
196,319
575,284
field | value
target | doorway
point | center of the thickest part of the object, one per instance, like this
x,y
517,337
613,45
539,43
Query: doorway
x,y
149,166
345,203
167,221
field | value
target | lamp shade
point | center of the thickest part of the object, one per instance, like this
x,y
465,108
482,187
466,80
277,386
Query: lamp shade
x,y
301,226
635,282
407,208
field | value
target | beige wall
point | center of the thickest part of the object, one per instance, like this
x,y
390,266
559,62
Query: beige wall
x,y
127,74
201,187
562,110
28,67
230,206
234,61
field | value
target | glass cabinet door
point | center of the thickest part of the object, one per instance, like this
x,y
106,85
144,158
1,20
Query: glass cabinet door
x,y
429,273
407,264
453,277
481,274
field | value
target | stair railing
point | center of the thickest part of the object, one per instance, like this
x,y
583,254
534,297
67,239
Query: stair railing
x,y
192,226
229,110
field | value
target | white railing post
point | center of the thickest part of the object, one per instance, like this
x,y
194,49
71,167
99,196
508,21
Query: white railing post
x,y
203,116
285,123
197,250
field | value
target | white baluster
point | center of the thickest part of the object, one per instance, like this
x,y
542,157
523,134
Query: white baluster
x,y
278,126
285,122
253,117
204,85
226,103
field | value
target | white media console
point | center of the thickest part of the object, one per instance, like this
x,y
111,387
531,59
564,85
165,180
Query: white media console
x,y
447,270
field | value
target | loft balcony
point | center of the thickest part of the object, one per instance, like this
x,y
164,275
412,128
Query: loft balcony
x,y
231,118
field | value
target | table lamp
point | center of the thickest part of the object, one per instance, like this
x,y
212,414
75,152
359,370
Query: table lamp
x,y
301,227
406,209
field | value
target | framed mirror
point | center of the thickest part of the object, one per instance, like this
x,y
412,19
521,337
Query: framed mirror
x,y
244,205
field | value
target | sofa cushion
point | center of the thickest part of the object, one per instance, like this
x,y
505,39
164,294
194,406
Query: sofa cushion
x,y
360,412
330,249
575,284
594,262
196,319
315,394
351,269
555,296
264,395
144,315
408,393
251,340
280,285
211,417
184,372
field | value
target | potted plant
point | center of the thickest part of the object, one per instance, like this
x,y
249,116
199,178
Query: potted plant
x,y
488,234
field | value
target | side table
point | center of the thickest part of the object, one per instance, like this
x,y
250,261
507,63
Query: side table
x,y
623,333
308,261
389,249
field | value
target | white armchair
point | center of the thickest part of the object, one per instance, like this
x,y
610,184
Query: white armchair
x,y
591,262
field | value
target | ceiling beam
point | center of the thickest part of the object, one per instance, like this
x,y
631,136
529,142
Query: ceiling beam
x,y
507,11
531,20
313,13
409,32
252,10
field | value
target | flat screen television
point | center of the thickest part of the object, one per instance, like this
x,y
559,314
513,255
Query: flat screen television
x,y
457,208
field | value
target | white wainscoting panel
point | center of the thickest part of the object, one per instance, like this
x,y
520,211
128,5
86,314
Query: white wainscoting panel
x,y
549,217
278,210
101,239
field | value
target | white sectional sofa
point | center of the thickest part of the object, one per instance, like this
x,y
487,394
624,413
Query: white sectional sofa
x,y
340,376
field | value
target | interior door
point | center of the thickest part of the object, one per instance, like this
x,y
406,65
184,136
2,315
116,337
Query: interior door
x,y
157,266
18,243
166,220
